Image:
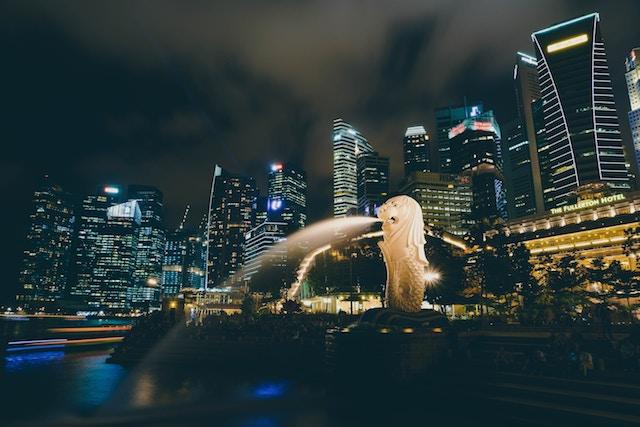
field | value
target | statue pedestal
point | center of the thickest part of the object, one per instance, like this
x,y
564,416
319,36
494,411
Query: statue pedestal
x,y
388,345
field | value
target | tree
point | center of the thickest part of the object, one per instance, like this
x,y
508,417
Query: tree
x,y
563,280
601,278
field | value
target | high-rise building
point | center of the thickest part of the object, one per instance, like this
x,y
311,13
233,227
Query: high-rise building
x,y
260,210
445,199
287,195
115,258
262,253
477,145
373,182
183,264
632,64
417,155
147,289
520,153
446,118
231,216
348,143
91,219
517,170
44,274
582,129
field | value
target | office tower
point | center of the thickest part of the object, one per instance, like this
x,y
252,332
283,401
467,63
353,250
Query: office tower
x,y
373,182
115,258
231,216
632,65
582,129
523,173
348,143
521,195
445,199
183,264
147,289
43,276
476,144
287,195
91,218
446,118
265,267
417,156
260,209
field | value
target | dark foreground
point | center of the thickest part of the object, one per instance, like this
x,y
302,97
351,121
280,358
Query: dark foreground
x,y
274,373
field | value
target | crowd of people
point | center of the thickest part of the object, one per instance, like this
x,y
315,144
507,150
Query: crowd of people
x,y
572,355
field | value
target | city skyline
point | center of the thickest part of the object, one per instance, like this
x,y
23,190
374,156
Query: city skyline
x,y
393,149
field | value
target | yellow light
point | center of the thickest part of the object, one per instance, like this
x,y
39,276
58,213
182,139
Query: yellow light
x,y
567,43
384,330
408,330
173,304
437,330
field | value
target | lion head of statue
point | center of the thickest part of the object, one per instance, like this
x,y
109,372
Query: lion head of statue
x,y
402,221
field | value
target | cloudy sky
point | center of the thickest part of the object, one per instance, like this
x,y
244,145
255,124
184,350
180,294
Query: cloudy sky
x,y
157,92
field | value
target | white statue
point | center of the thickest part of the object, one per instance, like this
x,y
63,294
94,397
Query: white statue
x,y
403,252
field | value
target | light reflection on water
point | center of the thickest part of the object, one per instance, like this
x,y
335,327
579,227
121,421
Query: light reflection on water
x,y
44,383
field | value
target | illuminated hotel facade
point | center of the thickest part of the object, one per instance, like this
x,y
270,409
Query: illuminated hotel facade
x,y
348,143
583,143
590,228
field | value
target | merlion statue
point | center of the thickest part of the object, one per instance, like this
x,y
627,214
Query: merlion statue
x,y
403,252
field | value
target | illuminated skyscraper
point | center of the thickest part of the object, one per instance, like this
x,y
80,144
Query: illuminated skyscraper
x,y
446,118
582,129
115,258
231,216
348,143
476,144
287,195
265,267
373,182
146,293
520,154
445,199
417,156
632,64
91,219
44,273
183,265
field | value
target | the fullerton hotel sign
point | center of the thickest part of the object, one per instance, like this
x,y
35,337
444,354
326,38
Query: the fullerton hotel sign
x,y
591,203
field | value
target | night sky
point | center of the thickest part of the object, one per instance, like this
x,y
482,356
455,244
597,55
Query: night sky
x,y
155,92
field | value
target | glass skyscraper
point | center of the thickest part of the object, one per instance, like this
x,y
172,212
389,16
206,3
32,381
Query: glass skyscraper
x,y
183,264
287,195
417,155
348,143
373,182
265,267
632,65
583,140
115,258
446,118
520,153
147,289
231,216
91,218
44,274
476,144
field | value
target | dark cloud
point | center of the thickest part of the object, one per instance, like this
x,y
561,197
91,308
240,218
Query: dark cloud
x,y
157,92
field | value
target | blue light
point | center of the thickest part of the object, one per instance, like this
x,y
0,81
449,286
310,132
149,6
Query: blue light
x,y
564,24
275,205
25,360
269,390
